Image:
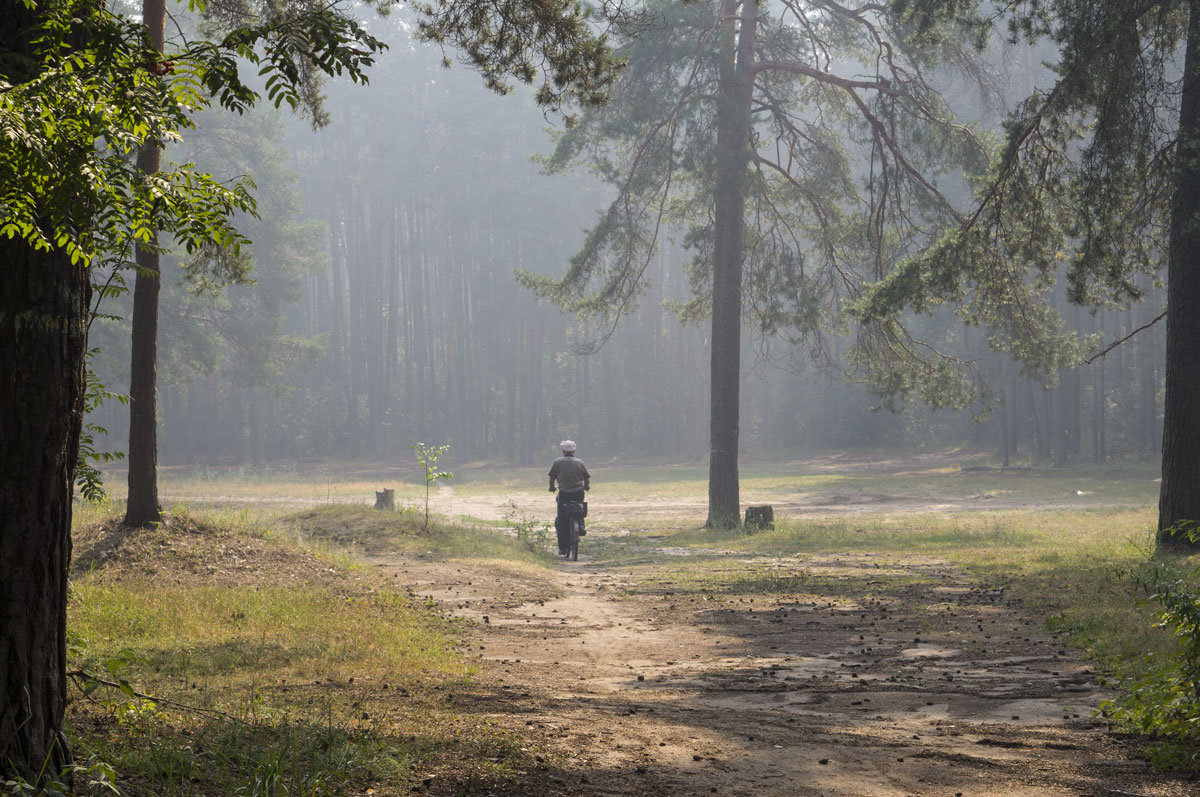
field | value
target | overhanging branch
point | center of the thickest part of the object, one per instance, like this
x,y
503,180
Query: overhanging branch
x,y
1117,343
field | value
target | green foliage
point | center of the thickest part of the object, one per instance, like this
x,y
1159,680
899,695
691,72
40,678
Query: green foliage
x,y
428,457
1078,190
93,91
531,533
60,189
513,38
92,778
1163,703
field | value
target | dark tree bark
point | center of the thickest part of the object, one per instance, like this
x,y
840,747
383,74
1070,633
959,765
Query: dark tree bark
x,y
142,508
1179,499
43,322
44,303
733,147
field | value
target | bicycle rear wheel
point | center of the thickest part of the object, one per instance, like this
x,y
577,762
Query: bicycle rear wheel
x,y
574,540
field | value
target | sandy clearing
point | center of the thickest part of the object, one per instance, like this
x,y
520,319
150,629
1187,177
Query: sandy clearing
x,y
656,509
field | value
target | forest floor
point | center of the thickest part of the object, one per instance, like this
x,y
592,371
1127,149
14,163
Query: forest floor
x,y
831,674
647,493
914,626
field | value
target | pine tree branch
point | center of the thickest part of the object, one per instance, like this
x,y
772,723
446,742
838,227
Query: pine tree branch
x,y
882,85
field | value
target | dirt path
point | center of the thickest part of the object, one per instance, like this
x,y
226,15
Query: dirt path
x,y
815,675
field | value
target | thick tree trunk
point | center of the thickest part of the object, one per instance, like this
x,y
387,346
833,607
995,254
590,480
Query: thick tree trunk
x,y
142,508
1179,499
43,322
733,147
43,337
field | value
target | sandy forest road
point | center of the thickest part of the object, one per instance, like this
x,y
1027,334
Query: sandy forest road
x,y
864,675
912,483
798,506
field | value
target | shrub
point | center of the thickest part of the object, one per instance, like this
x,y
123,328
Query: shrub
x,y
1164,701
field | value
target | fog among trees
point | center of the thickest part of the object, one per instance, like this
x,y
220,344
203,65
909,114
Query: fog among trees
x,y
382,308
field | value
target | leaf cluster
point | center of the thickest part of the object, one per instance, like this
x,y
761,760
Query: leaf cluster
x,y
87,90
74,110
428,457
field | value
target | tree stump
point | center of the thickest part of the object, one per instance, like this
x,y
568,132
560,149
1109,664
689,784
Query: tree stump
x,y
760,518
385,499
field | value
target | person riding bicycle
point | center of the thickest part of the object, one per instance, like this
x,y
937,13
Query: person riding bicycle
x,y
573,481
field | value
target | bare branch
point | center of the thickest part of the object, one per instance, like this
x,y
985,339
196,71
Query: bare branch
x,y
1098,355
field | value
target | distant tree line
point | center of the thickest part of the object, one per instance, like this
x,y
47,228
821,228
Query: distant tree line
x,y
384,310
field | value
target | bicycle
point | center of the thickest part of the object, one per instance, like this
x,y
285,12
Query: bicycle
x,y
575,511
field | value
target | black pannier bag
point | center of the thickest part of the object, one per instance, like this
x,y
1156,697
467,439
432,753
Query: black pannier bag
x,y
575,509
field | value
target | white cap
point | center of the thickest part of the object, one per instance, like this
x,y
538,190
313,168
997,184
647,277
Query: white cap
x,y
567,446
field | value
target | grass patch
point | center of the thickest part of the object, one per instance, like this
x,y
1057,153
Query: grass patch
x,y
272,670
375,532
1017,537
301,632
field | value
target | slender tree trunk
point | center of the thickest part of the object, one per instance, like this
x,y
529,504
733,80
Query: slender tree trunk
x,y
1006,417
1059,412
1179,499
237,408
1099,403
1037,443
736,79
1020,417
612,404
142,508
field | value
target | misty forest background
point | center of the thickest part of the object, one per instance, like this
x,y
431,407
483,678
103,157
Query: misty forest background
x,y
382,309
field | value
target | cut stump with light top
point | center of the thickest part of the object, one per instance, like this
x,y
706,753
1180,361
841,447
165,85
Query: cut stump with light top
x,y
385,499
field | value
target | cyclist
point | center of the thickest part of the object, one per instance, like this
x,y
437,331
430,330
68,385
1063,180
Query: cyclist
x,y
573,480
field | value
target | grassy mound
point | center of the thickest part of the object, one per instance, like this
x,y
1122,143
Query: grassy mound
x,y
273,669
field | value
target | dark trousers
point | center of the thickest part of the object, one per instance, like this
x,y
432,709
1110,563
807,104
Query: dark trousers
x,y
562,524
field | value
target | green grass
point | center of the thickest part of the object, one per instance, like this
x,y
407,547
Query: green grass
x,y
841,480
377,532
1017,537
298,675
293,632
